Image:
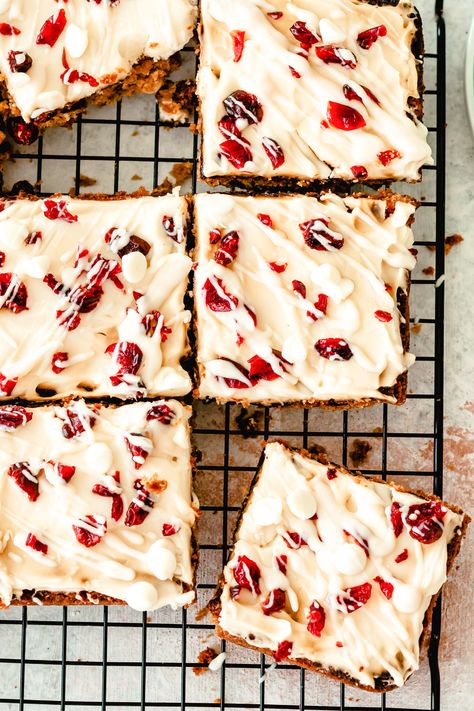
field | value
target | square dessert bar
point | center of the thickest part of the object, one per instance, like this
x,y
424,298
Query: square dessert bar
x,y
335,572
91,296
53,55
96,505
303,300
311,91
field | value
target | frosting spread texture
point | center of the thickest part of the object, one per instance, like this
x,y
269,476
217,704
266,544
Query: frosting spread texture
x,y
91,297
56,52
296,298
310,89
335,570
97,500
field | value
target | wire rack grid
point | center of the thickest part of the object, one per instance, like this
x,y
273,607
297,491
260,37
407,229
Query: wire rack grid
x,y
113,658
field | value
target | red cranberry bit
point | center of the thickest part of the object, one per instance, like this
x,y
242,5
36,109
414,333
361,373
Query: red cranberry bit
x,y
383,316
13,416
117,501
236,152
92,530
22,133
402,556
52,28
139,453
274,602
282,561
161,412
25,479
299,288
8,30
294,540
36,544
386,588
359,172
170,530
238,40
425,521
58,358
265,219
19,61
336,55
355,598
339,644
368,37
318,235
344,117
278,268
350,94
218,299
171,230
228,128
140,506
274,151
134,243
396,519
316,619
235,383
294,73
75,425
3,257
151,322
228,248
331,473
333,349
64,471
303,35
57,210
260,369
386,157
34,237
275,15
241,104
283,651
86,298
215,236
371,95
247,574
13,293
7,385
70,320
128,357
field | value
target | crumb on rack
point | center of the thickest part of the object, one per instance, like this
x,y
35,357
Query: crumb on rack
x,y
85,181
451,241
249,421
428,271
359,452
205,658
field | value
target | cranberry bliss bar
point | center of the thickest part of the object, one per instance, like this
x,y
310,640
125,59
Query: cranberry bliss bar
x,y
303,300
55,53
96,505
91,295
335,572
311,90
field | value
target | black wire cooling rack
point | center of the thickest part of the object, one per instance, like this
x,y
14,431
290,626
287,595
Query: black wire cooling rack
x,y
109,658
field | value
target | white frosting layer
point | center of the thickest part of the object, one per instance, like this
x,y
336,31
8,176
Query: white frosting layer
x,y
295,108
375,253
350,543
100,38
125,564
30,338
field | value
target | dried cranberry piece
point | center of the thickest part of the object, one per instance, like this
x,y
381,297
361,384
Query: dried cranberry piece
x,y
169,529
57,359
278,268
238,40
344,117
396,519
299,288
260,369
241,104
294,73
318,235
3,257
161,412
69,319
383,316
283,651
386,157
8,30
140,506
386,588
274,151
265,220
64,471
354,598
350,94
215,236
52,28
336,55
282,561
74,425
294,540
275,15
134,243
87,537
22,132
36,544
321,305
228,128
25,479
139,452
425,521
171,230
366,38
228,248
235,383
316,619
14,416
218,301
274,602
247,574
7,385
57,210
333,349
86,297
331,473
371,95
34,237
151,322
128,357
359,172
303,35
236,152
19,61
402,556
15,292
117,501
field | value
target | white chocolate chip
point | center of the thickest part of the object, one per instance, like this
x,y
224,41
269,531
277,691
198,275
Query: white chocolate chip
x,y
76,40
406,598
134,266
301,503
36,267
99,457
161,560
294,349
350,559
216,663
331,33
267,511
142,596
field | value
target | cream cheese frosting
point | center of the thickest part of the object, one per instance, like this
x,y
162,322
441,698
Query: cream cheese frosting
x,y
323,90
345,587
97,500
91,297
78,48
296,298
